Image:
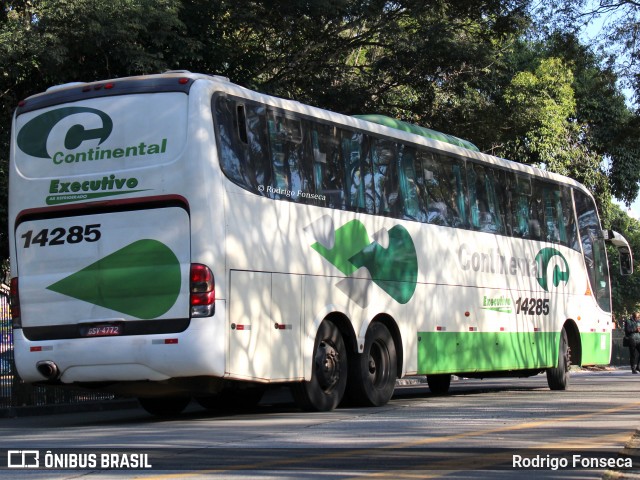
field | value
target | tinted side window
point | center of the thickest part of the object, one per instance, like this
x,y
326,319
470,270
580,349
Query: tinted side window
x,y
385,177
567,218
258,169
359,174
232,156
593,249
412,185
445,190
537,220
290,146
521,193
499,199
485,210
287,157
328,165
242,143
558,214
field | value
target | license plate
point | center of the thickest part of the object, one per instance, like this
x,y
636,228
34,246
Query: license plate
x,y
102,331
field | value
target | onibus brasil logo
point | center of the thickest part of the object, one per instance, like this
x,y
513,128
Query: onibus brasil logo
x,y
393,268
86,131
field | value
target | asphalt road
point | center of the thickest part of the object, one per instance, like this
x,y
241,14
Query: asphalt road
x,y
503,428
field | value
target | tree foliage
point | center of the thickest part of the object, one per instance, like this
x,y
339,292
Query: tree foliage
x,y
625,288
618,38
615,127
48,42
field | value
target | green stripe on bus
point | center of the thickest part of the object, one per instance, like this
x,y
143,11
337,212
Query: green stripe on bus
x,y
451,352
596,348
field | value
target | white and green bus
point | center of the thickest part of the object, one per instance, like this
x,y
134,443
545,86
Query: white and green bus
x,y
177,236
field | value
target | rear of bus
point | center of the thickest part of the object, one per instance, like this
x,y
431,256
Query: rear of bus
x,y
107,192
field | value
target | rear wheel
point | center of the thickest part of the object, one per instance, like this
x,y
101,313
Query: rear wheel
x,y
372,375
329,375
439,384
164,406
558,377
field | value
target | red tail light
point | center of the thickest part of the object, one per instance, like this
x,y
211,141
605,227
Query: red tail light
x,y
203,292
14,301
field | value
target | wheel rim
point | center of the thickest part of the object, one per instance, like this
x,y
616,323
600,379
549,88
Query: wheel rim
x,y
378,364
327,366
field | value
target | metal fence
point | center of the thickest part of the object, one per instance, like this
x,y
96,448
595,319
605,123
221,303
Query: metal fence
x,y
13,391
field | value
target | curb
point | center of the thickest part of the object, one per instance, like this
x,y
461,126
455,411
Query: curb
x,y
99,406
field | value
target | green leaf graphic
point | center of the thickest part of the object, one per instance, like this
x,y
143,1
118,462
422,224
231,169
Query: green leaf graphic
x,y
350,239
142,280
394,269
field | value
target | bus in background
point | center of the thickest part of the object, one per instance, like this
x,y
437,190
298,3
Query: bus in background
x,y
177,236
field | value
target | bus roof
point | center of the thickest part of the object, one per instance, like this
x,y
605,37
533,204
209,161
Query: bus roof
x,y
418,130
174,81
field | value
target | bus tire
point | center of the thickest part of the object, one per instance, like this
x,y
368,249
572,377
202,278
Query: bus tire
x,y
558,377
439,384
164,406
372,374
328,381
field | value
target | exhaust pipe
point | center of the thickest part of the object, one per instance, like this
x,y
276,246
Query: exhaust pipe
x,y
48,369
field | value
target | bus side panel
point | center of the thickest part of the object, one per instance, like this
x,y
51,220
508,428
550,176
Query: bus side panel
x,y
286,323
265,320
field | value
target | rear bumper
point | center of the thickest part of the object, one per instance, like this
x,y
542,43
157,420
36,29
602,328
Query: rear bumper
x,y
200,350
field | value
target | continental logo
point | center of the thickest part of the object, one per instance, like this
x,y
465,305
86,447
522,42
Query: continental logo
x,y
495,262
393,268
83,141
550,257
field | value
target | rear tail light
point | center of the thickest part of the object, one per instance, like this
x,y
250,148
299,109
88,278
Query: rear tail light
x,y
14,301
203,292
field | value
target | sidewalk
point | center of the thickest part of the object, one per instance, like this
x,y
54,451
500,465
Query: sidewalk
x,y
97,406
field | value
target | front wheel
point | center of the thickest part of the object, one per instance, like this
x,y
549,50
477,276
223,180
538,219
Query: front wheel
x,y
329,375
558,377
372,375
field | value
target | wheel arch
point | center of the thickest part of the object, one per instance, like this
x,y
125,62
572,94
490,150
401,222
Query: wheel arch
x,y
343,323
575,343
